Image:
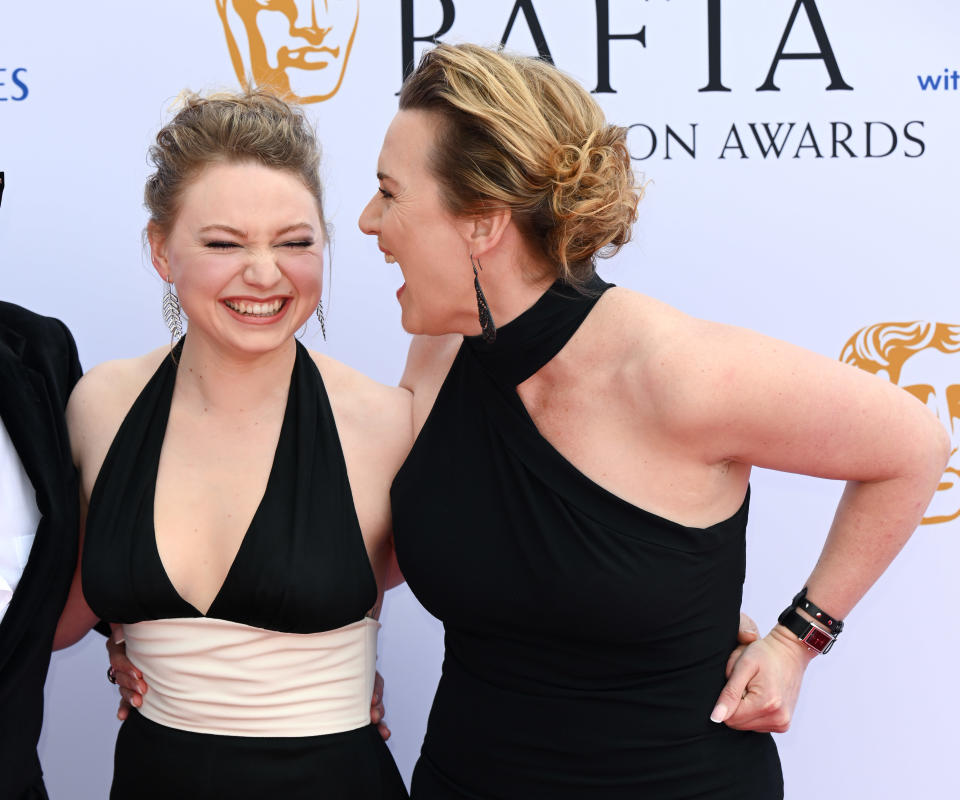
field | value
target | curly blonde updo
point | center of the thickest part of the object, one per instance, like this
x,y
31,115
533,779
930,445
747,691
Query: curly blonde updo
x,y
227,127
519,133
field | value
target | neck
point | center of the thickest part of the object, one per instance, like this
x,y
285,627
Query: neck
x,y
511,288
230,382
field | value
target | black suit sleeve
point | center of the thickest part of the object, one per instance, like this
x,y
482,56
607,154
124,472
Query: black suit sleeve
x,y
73,369
73,372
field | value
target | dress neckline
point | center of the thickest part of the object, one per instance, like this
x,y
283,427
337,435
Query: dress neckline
x,y
171,366
526,343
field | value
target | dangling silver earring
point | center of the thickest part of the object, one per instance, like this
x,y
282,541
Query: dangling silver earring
x,y
172,316
488,331
323,325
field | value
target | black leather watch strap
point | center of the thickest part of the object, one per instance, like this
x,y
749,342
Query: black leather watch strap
x,y
832,624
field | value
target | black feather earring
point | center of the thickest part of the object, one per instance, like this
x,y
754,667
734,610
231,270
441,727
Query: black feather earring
x,y
488,331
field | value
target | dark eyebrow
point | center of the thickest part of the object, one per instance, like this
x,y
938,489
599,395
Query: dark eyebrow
x,y
382,176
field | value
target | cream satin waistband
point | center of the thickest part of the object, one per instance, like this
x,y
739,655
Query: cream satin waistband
x,y
213,676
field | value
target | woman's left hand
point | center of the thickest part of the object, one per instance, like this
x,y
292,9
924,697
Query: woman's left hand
x,y
763,682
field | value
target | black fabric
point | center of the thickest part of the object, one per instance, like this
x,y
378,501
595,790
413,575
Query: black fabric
x,y
38,369
302,567
153,762
585,638
800,600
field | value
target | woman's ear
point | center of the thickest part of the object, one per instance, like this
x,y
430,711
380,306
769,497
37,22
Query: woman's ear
x,y
483,233
158,250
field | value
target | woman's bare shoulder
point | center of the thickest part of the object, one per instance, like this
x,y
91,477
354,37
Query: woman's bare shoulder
x,y
709,380
112,380
664,327
104,395
339,377
671,358
638,327
358,399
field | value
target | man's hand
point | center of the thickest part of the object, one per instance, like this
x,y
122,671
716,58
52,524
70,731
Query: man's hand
x,y
376,707
129,679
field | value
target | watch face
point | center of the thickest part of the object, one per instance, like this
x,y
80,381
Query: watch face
x,y
817,639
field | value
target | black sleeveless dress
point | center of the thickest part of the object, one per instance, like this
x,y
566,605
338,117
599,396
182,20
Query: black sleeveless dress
x,y
302,568
585,638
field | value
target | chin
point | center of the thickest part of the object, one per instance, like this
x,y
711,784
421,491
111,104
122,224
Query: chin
x,y
410,326
435,325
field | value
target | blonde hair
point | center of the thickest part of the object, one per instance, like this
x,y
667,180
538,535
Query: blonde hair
x,y
252,125
887,345
518,133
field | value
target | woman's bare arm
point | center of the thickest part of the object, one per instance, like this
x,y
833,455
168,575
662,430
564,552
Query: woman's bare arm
x,y
757,401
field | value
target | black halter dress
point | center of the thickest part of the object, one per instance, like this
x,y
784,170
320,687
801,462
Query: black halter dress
x,y
295,595
585,638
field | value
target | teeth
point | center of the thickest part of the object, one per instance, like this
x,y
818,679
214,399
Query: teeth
x,y
389,258
255,309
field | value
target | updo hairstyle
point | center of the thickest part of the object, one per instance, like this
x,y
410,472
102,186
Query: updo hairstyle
x,y
226,127
519,133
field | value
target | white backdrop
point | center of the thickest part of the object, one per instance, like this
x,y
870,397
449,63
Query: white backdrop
x,y
809,246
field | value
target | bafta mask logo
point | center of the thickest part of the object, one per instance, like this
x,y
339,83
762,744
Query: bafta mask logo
x,y
924,359
298,48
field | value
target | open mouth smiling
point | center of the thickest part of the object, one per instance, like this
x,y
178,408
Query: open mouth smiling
x,y
249,309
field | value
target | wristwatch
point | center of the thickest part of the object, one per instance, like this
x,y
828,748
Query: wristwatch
x,y
813,636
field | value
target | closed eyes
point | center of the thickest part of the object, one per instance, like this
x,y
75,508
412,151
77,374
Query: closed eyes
x,y
225,245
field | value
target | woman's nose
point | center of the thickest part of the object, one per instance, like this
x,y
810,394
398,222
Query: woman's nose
x,y
369,218
262,269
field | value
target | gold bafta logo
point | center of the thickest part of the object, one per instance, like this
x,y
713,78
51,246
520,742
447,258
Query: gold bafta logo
x,y
298,48
924,359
